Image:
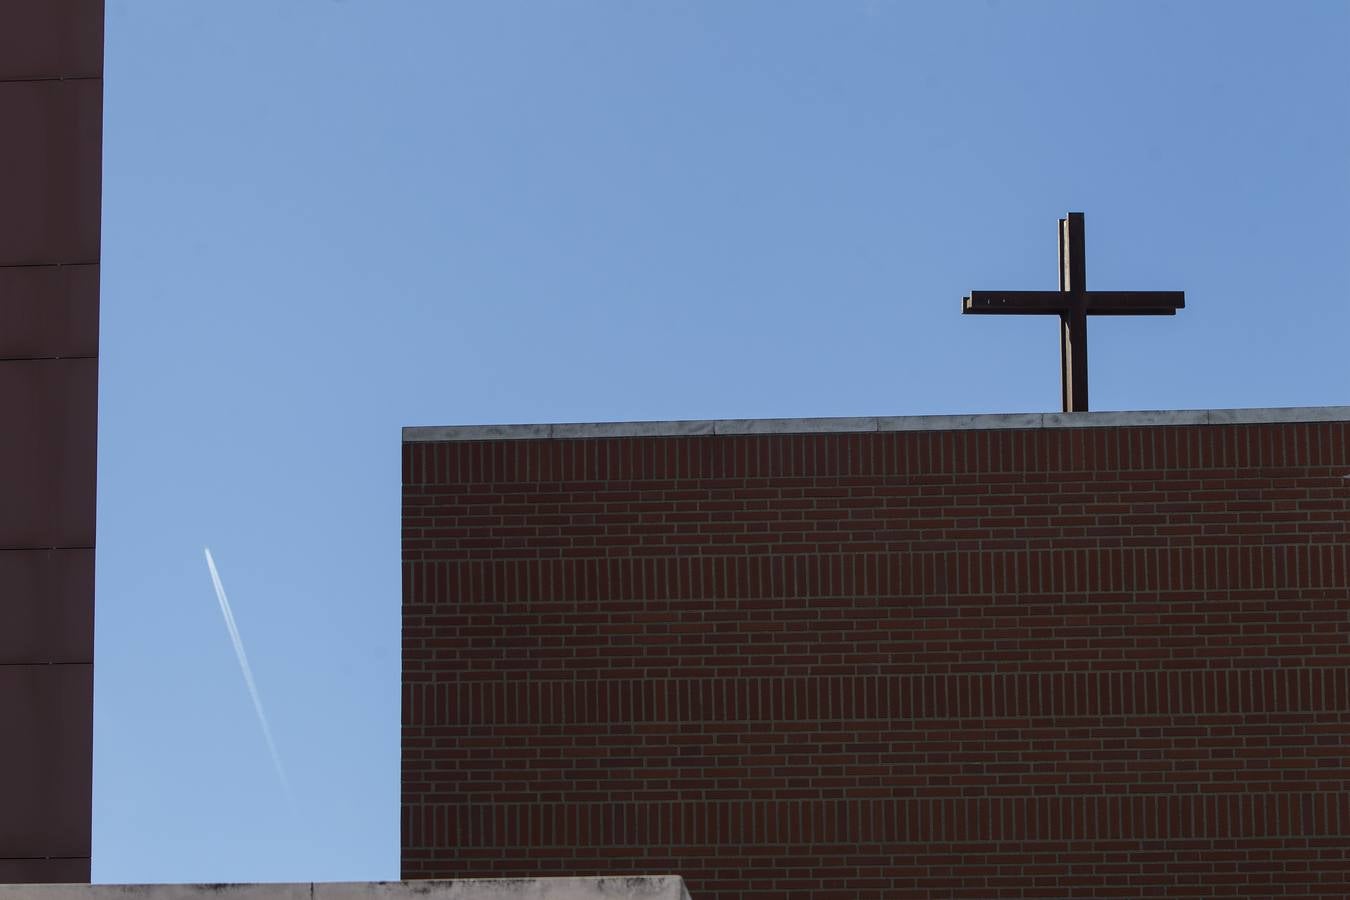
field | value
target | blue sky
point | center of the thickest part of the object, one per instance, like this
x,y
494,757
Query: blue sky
x,y
327,219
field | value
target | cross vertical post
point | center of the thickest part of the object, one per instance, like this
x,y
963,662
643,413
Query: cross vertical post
x,y
1073,320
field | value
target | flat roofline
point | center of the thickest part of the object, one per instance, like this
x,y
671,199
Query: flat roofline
x,y
860,424
594,887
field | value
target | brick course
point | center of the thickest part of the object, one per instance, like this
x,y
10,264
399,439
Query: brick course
x,y
1043,662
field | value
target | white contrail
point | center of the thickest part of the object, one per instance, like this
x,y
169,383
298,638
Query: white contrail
x,y
248,672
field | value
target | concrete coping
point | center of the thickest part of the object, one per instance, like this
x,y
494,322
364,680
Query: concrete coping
x,y
862,424
599,887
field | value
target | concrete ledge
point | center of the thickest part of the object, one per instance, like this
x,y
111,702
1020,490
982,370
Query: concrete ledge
x,y
600,887
861,424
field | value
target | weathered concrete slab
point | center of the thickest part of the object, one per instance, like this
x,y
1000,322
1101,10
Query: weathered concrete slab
x,y
979,422
612,887
862,424
631,429
1145,417
480,432
601,887
1279,415
796,426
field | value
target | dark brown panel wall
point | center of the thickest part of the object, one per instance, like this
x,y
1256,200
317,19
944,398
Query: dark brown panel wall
x,y
1081,662
51,116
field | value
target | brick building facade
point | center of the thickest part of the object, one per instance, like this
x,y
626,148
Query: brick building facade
x,y
51,127
1079,654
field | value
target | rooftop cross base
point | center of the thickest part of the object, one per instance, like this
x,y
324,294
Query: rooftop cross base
x,y
1073,303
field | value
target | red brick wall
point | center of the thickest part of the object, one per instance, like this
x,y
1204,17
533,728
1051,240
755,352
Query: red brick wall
x,y
51,164
1049,662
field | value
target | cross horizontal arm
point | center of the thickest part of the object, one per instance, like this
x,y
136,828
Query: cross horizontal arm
x,y
1134,303
1016,303
1097,303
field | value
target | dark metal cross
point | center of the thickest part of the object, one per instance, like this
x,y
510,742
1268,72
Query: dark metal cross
x,y
1073,303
